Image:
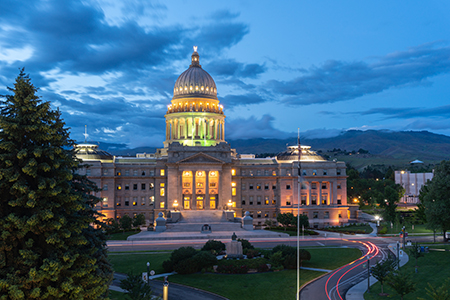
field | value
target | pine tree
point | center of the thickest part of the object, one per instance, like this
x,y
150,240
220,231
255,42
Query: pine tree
x,y
49,247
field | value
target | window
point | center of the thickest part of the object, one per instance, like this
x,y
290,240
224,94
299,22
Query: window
x,y
258,172
142,200
324,199
135,172
233,191
143,173
325,172
162,172
340,216
119,173
313,185
162,190
288,200
105,187
324,185
315,214
105,172
250,199
266,200
88,172
339,186
233,172
127,172
303,200
250,186
127,201
134,201
151,186
242,172
258,186
250,172
105,202
119,202
288,172
338,172
339,201
135,186
243,200
259,214
266,186
313,199
161,204
266,215
152,173
143,186
127,187
274,173
274,201
266,172
314,172
243,186
327,215
119,187
151,199
288,186
258,200
304,172
274,187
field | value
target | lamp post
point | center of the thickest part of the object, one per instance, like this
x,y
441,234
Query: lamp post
x,y
368,273
398,255
166,289
229,204
377,218
148,273
175,205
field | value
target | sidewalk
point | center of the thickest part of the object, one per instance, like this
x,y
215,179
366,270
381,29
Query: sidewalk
x,y
358,290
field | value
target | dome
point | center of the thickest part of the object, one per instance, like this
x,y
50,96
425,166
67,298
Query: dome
x,y
291,154
91,152
195,82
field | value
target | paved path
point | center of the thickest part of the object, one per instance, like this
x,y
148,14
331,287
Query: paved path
x,y
176,291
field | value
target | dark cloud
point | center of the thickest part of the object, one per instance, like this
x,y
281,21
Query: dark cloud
x,y
254,128
223,14
408,112
339,81
244,99
232,68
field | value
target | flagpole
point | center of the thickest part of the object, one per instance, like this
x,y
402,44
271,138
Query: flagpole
x,y
299,190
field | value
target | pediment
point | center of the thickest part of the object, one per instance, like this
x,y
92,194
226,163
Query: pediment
x,y
201,158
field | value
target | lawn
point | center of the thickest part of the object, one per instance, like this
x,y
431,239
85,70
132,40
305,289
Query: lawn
x,y
137,262
121,235
434,268
113,295
357,228
409,228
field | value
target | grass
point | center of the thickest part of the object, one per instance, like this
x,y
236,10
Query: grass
x,y
434,268
397,228
137,262
259,286
113,295
121,235
355,229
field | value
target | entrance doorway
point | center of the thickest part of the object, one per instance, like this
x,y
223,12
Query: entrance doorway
x,y
200,205
187,203
212,202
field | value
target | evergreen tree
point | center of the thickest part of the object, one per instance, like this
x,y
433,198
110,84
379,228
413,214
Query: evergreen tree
x,y
49,248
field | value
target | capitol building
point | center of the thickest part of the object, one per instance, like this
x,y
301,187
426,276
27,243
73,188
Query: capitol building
x,y
197,169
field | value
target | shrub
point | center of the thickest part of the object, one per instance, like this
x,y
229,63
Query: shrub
x,y
232,269
383,230
285,249
245,244
290,261
187,266
213,246
277,259
167,266
204,260
263,268
182,254
251,253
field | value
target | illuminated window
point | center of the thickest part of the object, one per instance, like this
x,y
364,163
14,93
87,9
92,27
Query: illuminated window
x,y
233,204
161,205
266,200
119,187
233,172
187,184
313,199
233,184
142,200
118,173
233,191
324,199
162,172
274,173
274,201
162,184
339,186
303,200
314,172
105,202
134,201
258,186
151,186
152,199
199,184
266,215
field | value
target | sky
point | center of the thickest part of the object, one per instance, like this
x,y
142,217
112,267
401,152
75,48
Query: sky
x,y
321,66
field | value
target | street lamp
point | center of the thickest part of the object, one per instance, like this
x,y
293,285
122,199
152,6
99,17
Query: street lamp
x,y
378,220
175,205
148,273
229,204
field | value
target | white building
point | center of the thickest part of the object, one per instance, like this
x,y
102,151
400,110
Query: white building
x,y
412,183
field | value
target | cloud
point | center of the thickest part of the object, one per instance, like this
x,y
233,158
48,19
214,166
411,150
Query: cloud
x,y
408,112
244,99
340,81
254,128
321,133
232,68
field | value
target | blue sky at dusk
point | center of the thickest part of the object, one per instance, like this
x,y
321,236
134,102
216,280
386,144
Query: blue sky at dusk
x,y
321,66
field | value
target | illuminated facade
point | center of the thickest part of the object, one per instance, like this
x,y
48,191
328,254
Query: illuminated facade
x,y
198,170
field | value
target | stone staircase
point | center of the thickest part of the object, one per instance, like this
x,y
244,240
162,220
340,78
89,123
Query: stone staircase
x,y
192,221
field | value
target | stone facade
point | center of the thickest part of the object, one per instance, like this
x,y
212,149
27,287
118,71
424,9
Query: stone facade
x,y
198,170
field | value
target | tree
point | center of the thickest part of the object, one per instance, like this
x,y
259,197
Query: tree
x,y
401,282
125,222
435,197
138,220
415,252
392,196
48,246
286,219
136,288
381,270
440,293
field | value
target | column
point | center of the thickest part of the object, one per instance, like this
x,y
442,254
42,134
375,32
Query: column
x,y
320,192
167,130
308,197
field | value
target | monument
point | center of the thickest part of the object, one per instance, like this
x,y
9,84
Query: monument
x,y
234,248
